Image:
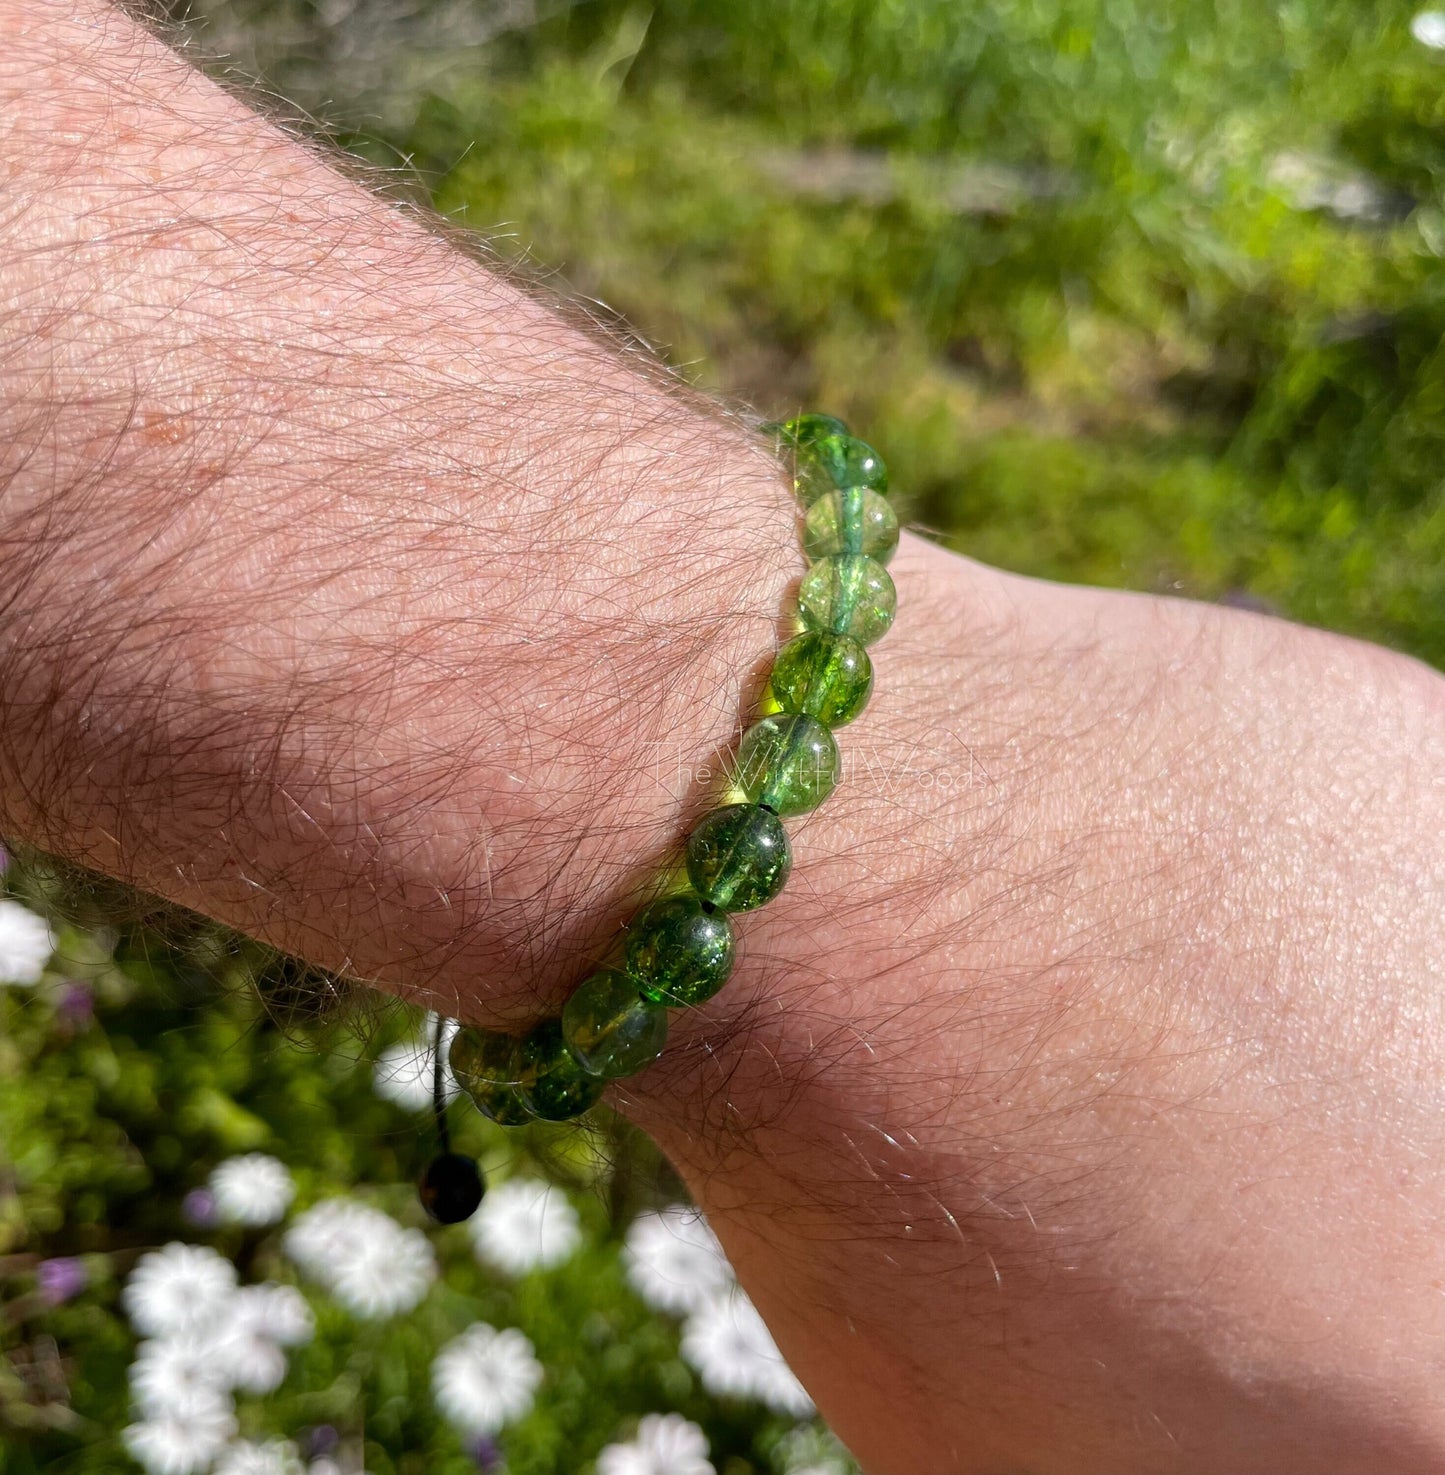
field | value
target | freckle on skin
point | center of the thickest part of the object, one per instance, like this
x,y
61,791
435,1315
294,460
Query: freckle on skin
x,y
161,428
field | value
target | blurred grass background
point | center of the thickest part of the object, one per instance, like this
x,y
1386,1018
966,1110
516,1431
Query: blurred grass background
x,y
1128,292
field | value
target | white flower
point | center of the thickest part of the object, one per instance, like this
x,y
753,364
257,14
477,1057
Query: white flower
x,y
174,1373
275,1457
26,943
177,1290
327,1232
485,1378
182,1441
665,1444
239,1348
1428,28
372,1265
386,1278
252,1190
242,1356
728,1343
335,1230
275,1311
674,1262
403,1072
525,1224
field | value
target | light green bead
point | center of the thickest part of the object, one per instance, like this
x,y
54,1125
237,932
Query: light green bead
x,y
610,1029
487,1065
788,763
849,594
804,430
834,463
738,857
853,521
825,675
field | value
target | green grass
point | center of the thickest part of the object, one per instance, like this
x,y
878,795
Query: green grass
x,y
1148,364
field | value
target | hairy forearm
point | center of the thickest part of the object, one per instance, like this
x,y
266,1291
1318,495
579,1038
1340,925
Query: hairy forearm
x,y
354,597
351,593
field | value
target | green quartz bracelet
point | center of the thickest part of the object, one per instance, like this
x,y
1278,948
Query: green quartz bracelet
x,y
679,952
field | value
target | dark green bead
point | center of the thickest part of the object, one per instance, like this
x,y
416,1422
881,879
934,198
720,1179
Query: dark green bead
x,y
788,762
679,953
853,521
554,1087
837,462
804,430
487,1065
610,1029
738,857
849,594
503,1104
827,676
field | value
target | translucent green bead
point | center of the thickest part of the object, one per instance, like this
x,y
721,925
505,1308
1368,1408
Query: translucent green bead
x,y
554,1087
487,1065
804,430
848,594
853,521
738,857
610,1029
788,763
680,953
834,463
825,675
503,1104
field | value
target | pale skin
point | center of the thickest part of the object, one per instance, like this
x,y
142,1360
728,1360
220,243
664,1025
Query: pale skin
x,y
1076,1109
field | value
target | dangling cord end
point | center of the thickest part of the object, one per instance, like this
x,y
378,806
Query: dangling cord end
x,y
451,1187
438,1087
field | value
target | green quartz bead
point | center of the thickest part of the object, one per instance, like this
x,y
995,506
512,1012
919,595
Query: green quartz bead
x,y
805,430
503,1104
825,675
485,1055
788,763
679,953
554,1087
610,1029
834,463
848,594
852,521
738,857
487,1065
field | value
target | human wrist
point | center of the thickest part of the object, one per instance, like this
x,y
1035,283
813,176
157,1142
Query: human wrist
x,y
1040,1052
459,803
339,566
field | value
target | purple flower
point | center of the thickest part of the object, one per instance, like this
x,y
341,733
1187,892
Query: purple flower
x,y
60,1279
487,1453
76,1005
198,1207
322,1439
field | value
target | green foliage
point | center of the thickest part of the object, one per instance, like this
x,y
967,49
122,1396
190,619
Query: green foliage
x,y
121,1088
1088,272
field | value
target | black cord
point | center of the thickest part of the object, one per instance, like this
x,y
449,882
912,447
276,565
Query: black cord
x,y
438,1094
452,1186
